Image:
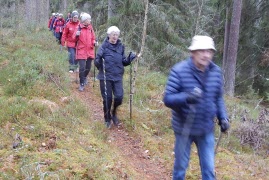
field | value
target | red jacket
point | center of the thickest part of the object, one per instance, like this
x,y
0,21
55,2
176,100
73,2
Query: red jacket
x,y
50,21
58,25
69,34
85,43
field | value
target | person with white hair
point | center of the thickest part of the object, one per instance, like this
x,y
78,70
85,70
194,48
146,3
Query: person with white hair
x,y
194,92
110,61
50,20
85,45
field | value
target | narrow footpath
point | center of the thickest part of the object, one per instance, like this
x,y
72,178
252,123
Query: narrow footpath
x,y
129,147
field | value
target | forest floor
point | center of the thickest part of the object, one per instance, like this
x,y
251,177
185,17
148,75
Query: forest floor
x,y
129,147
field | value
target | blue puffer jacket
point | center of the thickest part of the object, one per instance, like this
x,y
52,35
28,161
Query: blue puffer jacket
x,y
194,119
115,60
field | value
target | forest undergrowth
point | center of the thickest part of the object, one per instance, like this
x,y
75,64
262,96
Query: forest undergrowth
x,y
49,133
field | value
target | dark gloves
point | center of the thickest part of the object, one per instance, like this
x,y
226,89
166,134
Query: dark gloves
x,y
194,96
224,125
131,56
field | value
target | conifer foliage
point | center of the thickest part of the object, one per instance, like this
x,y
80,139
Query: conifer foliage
x,y
171,25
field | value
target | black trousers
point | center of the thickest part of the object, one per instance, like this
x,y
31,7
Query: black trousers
x,y
84,69
111,91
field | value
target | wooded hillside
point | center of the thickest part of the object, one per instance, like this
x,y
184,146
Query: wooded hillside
x,y
171,26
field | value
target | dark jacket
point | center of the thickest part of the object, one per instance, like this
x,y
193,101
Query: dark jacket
x,y
194,119
112,55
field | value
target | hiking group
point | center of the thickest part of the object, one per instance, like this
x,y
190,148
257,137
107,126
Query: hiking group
x,y
77,34
194,89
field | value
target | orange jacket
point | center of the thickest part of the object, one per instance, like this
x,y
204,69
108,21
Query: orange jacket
x,y
69,34
85,42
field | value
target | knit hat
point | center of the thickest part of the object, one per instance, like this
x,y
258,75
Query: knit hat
x,y
113,29
74,14
85,16
202,42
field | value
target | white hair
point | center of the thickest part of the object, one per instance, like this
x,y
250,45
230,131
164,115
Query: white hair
x,y
85,16
113,29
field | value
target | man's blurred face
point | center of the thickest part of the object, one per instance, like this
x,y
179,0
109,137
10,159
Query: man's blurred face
x,y
202,57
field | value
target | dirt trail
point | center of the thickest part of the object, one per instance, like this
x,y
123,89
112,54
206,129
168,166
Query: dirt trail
x,y
130,147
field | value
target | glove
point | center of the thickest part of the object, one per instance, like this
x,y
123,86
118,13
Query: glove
x,y
194,96
77,33
224,125
96,43
131,56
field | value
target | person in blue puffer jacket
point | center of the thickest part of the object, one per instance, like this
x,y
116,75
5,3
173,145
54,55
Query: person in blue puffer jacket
x,y
194,92
110,61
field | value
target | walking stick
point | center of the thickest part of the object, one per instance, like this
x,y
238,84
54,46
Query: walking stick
x,y
77,74
94,65
218,142
131,95
105,86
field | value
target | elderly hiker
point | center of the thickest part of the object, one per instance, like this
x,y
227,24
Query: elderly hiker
x,y
50,20
58,27
85,48
69,39
110,61
194,92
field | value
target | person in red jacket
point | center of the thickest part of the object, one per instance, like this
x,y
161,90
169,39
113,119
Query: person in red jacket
x,y
85,48
69,39
50,20
58,27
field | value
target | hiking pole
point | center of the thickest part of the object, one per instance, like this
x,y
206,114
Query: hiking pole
x,y
131,94
105,109
77,74
190,117
93,76
94,65
218,142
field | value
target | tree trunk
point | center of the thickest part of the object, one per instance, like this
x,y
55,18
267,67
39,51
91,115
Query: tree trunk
x,y
28,13
38,12
230,63
111,8
226,37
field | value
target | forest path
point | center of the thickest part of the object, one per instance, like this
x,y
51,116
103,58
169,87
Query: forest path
x,y
130,148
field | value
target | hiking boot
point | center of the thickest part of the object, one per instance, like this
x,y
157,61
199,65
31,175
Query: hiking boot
x,y
86,81
81,88
115,120
108,124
